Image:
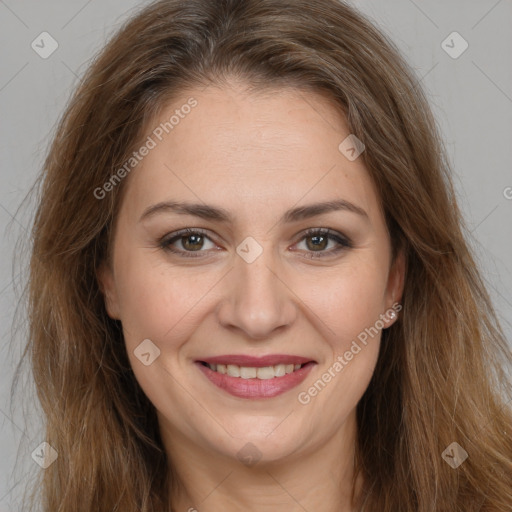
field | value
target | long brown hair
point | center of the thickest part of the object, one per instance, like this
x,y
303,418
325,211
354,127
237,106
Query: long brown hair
x,y
440,376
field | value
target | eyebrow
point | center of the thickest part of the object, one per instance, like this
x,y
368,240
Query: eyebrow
x,y
209,212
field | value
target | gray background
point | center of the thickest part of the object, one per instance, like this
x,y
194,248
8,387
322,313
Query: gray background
x,y
471,97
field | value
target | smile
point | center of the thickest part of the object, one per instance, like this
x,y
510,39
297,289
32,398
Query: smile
x,y
255,378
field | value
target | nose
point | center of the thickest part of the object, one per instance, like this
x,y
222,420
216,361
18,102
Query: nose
x,y
258,300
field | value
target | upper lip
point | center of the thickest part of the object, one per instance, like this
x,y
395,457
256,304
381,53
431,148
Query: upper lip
x,y
256,362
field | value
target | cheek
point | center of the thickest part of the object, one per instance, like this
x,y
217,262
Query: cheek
x,y
347,299
160,302
349,303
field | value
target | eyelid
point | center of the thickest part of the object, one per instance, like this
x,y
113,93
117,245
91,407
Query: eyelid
x,y
340,237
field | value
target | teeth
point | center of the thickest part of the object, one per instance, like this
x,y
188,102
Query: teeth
x,y
266,372
232,370
249,372
279,370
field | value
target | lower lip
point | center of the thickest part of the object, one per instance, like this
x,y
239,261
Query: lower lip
x,y
256,388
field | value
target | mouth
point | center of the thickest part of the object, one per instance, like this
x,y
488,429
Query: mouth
x,y
254,378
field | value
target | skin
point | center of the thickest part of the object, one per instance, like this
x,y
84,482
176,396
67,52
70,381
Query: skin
x,y
257,155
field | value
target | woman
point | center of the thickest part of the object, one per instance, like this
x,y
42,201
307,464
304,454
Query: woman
x,y
249,281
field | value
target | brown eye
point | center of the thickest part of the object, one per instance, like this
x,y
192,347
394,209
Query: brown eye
x,y
317,240
191,241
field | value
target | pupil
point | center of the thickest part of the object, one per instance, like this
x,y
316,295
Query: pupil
x,y
316,237
192,237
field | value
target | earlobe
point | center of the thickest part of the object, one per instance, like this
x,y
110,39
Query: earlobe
x,y
107,287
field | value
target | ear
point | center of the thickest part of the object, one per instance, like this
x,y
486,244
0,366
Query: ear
x,y
106,282
396,280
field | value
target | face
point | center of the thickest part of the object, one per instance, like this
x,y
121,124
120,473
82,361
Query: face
x,y
262,323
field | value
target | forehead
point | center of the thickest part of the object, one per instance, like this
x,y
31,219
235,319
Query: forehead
x,y
269,149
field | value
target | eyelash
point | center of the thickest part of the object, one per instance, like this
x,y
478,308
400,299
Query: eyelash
x,y
344,242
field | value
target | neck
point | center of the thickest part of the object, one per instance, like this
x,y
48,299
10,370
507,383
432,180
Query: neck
x,y
320,478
